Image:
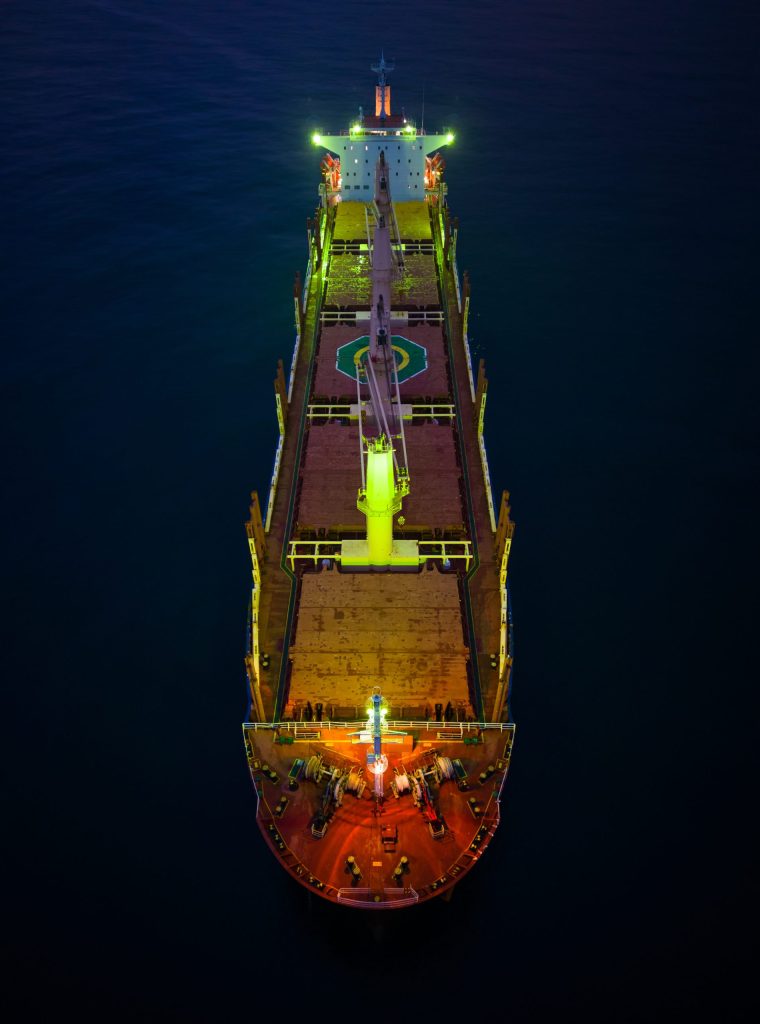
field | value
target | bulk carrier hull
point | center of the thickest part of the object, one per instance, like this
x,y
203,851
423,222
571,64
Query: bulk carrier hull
x,y
379,650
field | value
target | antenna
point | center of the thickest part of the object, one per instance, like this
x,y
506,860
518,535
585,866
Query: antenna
x,y
380,69
422,126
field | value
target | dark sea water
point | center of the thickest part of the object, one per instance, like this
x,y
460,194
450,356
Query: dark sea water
x,y
155,186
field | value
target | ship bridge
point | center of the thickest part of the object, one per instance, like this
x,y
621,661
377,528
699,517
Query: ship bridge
x,y
409,152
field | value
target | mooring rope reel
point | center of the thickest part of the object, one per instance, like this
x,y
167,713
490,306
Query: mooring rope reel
x,y
402,782
417,788
355,783
314,768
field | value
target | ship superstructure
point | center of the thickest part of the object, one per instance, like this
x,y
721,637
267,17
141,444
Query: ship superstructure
x,y
379,652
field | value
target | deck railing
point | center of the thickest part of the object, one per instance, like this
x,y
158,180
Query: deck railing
x,y
273,483
367,897
468,355
487,481
293,363
428,725
306,283
374,132
455,272
399,320
418,411
444,551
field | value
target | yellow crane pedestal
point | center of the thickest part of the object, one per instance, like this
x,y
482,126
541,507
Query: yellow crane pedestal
x,y
380,501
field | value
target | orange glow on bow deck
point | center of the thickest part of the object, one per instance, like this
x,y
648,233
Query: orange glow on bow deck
x,y
378,841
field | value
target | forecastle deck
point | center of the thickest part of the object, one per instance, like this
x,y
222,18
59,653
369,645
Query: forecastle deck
x,y
393,858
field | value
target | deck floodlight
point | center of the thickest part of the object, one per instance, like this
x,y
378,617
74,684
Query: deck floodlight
x,y
316,138
449,136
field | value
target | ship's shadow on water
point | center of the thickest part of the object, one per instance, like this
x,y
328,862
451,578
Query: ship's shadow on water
x,y
383,929
475,907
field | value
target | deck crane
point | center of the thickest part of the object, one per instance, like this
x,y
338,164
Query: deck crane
x,y
384,464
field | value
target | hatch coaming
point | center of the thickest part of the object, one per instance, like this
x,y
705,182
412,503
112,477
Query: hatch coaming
x,y
331,662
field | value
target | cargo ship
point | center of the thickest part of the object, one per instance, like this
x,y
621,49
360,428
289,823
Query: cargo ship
x,y
379,648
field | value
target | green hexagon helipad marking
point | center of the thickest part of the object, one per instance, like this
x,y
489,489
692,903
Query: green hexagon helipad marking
x,y
411,358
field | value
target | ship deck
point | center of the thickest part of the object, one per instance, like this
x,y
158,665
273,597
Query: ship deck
x,y
319,473
426,639
468,810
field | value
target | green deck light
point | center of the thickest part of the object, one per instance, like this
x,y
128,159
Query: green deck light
x,y
449,136
316,138
356,128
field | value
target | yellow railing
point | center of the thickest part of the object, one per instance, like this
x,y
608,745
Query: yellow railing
x,y
273,482
441,550
504,624
449,549
252,661
312,550
487,481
